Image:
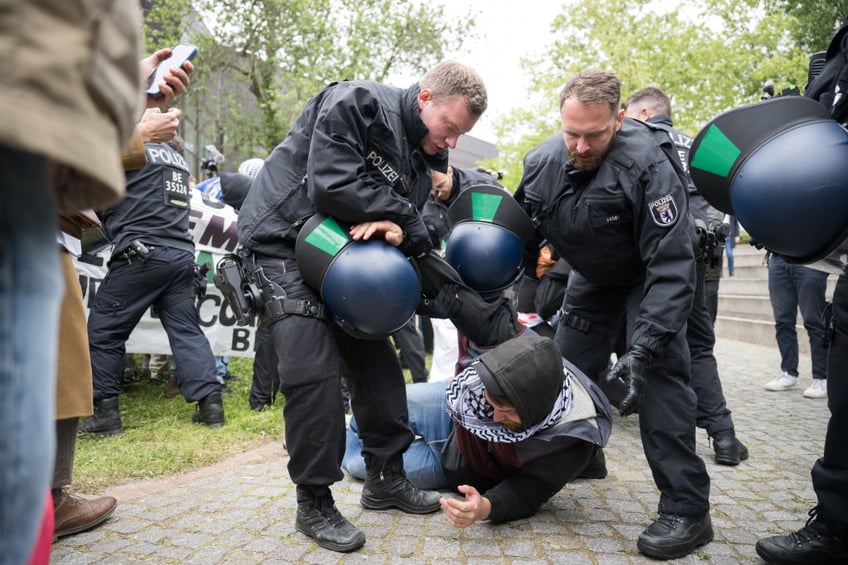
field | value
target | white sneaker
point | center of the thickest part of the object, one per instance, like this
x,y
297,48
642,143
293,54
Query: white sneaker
x,y
817,390
784,382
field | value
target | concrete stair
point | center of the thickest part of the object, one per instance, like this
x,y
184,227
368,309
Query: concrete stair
x,y
744,309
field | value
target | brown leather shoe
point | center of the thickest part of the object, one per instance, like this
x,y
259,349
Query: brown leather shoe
x,y
73,514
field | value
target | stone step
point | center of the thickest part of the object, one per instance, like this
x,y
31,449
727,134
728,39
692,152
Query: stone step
x,y
760,332
744,308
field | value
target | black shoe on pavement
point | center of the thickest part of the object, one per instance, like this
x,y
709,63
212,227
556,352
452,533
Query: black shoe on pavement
x,y
596,468
728,449
210,411
672,536
106,420
318,518
815,544
386,486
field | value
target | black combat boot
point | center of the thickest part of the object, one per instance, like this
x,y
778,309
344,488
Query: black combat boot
x,y
106,420
815,543
318,518
728,449
386,486
210,411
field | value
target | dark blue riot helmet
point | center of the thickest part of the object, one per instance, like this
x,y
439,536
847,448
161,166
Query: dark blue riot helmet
x,y
370,287
781,167
488,233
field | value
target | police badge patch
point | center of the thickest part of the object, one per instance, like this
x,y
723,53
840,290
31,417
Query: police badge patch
x,y
664,211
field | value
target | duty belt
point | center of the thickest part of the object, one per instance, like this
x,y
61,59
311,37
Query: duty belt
x,y
135,251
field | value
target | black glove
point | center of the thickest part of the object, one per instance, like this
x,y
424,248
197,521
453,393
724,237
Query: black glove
x,y
629,370
416,241
446,304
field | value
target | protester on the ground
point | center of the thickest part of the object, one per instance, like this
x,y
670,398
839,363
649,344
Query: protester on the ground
x,y
507,433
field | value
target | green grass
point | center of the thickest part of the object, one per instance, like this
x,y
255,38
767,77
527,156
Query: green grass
x,y
159,438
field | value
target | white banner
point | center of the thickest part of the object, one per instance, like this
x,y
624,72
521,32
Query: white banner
x,y
213,227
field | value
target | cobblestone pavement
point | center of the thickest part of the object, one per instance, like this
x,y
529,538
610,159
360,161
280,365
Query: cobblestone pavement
x,y
242,510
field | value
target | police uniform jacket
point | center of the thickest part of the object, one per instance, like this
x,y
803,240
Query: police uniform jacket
x,y
156,208
352,154
626,223
435,211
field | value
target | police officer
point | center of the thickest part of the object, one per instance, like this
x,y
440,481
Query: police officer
x,y
446,188
360,152
824,537
652,105
153,264
606,195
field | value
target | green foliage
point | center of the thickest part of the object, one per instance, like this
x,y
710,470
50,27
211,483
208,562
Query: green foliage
x,y
816,20
259,61
708,55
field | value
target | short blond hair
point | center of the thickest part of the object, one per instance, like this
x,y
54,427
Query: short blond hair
x,y
450,78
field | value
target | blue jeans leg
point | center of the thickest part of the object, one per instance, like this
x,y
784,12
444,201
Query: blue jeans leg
x,y
784,304
812,287
431,425
30,295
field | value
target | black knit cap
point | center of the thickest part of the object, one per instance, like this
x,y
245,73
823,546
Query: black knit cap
x,y
527,370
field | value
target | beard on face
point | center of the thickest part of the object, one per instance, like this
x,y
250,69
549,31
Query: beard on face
x,y
590,160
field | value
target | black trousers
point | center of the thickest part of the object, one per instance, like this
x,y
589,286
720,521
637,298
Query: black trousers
x,y
312,355
266,382
830,472
411,346
128,290
667,412
713,414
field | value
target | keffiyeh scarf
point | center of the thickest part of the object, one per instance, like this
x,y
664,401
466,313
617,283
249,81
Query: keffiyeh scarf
x,y
467,407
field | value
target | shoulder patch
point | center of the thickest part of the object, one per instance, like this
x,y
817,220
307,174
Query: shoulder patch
x,y
664,211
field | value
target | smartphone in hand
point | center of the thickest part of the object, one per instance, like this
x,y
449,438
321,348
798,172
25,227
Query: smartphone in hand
x,y
180,53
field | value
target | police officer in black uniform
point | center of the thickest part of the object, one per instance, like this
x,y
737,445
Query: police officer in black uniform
x,y
446,188
824,538
652,105
153,264
359,152
607,196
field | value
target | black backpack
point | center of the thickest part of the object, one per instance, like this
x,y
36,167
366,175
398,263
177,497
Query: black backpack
x,y
830,86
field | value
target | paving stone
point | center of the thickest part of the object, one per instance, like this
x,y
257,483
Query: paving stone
x,y
244,513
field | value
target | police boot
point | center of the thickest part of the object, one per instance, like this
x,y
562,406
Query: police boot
x,y
106,420
209,411
386,486
728,449
318,518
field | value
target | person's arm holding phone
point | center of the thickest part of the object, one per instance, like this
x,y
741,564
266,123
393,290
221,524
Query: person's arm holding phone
x,y
174,83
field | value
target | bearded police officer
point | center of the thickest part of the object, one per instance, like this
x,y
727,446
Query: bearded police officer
x,y
607,196
152,264
653,105
360,152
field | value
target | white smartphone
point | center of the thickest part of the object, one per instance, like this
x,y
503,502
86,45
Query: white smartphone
x,y
180,53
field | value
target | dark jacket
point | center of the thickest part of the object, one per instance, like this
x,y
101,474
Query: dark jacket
x,y
435,211
626,223
352,154
528,473
156,208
